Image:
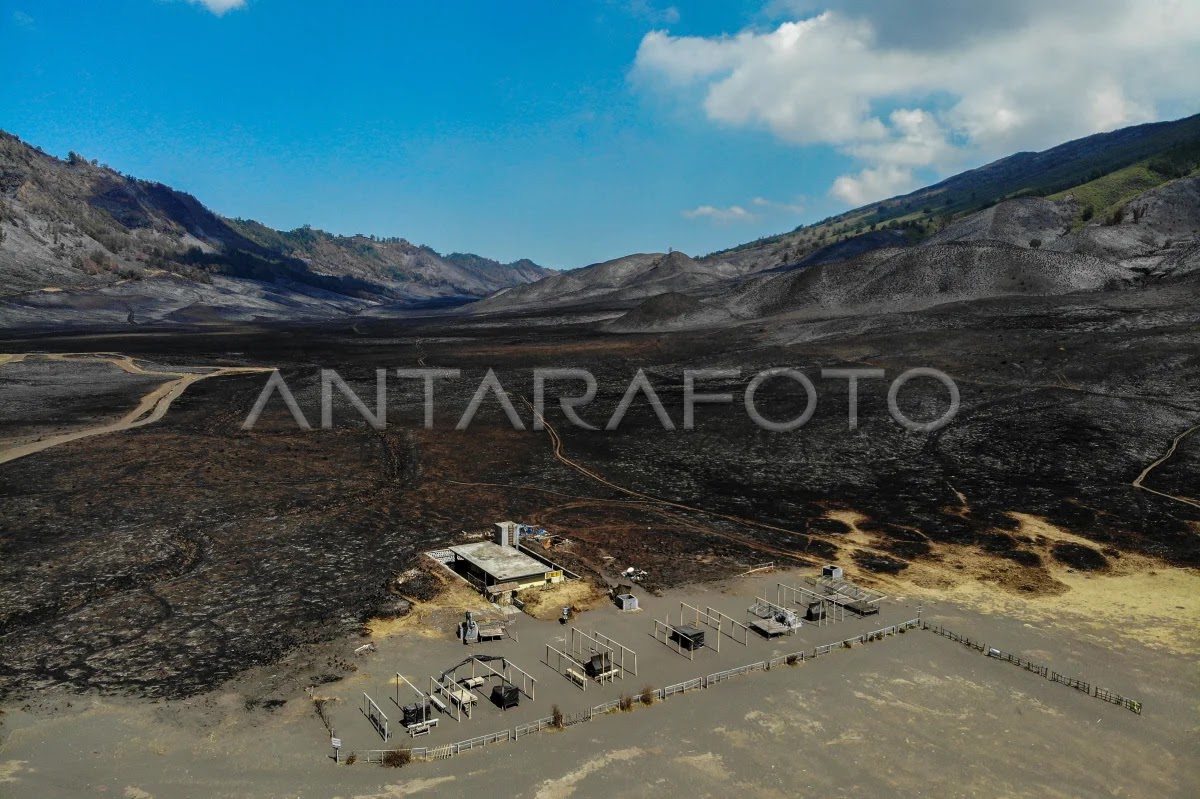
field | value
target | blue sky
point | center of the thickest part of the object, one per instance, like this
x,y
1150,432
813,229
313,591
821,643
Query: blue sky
x,y
567,132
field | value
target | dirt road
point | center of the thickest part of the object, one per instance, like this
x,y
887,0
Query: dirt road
x,y
152,407
1141,478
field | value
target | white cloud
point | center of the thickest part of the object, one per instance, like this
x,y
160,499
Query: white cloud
x,y
873,183
791,208
739,213
915,138
936,86
219,7
734,213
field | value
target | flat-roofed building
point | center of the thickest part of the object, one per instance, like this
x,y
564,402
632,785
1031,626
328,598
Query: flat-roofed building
x,y
491,564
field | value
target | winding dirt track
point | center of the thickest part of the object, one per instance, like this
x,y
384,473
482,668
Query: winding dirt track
x,y
151,408
1141,478
561,457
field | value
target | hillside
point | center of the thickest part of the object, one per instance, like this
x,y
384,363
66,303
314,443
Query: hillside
x,y
1122,199
910,279
72,227
1101,172
621,281
664,312
1022,247
81,244
1026,247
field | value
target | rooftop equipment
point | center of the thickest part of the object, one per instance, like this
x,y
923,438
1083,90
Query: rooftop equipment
x,y
832,572
507,533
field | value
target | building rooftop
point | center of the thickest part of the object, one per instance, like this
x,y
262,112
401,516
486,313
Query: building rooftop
x,y
503,563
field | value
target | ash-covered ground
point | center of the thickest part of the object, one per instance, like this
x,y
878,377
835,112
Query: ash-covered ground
x,y
165,560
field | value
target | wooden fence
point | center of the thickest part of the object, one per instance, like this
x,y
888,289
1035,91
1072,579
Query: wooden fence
x,y
961,639
1039,669
1117,699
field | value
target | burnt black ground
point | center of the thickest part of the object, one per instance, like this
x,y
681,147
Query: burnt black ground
x,y
165,560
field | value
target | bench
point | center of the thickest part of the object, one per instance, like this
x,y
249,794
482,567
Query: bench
x,y
576,676
491,631
609,675
422,728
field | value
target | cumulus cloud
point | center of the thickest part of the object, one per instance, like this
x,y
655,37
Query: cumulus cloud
x,y
219,7
791,208
914,138
936,84
873,183
739,213
734,213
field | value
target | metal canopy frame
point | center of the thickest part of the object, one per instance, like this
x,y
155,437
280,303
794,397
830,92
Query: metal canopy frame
x,y
663,631
624,650
376,716
427,710
573,674
827,601
718,621
447,683
727,625
595,648
455,695
847,590
767,624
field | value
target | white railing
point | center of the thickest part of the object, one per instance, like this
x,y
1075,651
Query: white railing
x,y
792,657
683,687
532,727
715,678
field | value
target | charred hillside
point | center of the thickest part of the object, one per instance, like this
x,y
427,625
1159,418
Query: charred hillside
x,y
73,227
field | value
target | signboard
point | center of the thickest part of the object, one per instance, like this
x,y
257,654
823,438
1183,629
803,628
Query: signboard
x,y
336,743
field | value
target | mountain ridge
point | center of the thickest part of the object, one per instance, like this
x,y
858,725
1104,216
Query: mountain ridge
x,y
81,244
1172,147
71,225
1119,176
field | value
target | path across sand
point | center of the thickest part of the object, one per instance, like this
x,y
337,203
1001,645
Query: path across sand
x,y
151,408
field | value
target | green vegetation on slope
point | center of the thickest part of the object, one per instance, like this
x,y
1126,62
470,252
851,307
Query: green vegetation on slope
x,y
1121,163
1103,197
